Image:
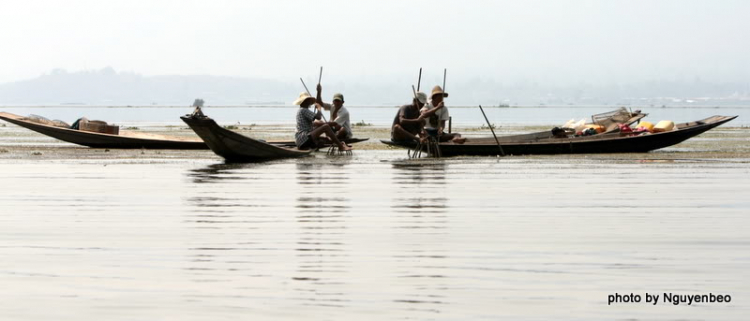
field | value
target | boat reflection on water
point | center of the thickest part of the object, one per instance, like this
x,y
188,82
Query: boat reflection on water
x,y
323,262
215,173
236,236
422,188
421,233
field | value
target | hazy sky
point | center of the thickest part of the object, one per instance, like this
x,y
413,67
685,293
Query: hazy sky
x,y
543,41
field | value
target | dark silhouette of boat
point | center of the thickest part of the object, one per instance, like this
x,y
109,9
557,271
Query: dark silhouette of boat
x,y
546,143
124,139
235,147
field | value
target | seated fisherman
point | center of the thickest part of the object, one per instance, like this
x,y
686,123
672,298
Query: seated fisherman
x,y
339,115
436,114
408,123
308,137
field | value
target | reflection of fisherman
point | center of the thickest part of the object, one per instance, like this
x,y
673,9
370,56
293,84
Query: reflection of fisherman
x,y
307,137
436,114
408,123
339,115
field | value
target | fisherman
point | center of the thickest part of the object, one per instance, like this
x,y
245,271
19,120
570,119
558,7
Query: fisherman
x,y
308,137
339,115
436,114
408,123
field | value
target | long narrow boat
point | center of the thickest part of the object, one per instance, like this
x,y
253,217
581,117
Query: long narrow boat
x,y
125,139
235,147
545,143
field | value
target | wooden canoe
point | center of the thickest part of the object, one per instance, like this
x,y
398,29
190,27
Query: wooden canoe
x,y
545,143
235,147
125,139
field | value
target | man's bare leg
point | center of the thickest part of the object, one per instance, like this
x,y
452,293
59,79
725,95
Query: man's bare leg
x,y
341,134
399,133
325,129
452,137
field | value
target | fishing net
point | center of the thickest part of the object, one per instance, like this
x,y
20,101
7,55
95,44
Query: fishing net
x,y
60,123
44,121
39,120
612,119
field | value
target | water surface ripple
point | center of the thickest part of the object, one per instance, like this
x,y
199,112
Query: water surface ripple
x,y
383,237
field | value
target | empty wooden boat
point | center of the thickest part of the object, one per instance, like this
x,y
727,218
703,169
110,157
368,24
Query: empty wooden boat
x,y
117,139
235,147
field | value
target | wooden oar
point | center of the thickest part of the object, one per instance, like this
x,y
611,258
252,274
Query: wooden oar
x,y
308,92
419,80
502,153
320,77
445,71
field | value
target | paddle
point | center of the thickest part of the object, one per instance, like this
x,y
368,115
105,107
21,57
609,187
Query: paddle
x,y
320,77
491,129
334,112
445,71
308,91
419,80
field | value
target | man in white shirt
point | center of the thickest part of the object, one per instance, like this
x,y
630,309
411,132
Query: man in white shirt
x,y
339,115
436,115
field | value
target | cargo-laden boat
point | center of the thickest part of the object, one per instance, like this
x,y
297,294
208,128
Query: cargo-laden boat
x,y
235,147
611,141
99,134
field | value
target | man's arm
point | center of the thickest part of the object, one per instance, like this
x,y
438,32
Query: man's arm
x,y
339,119
408,121
335,113
319,98
318,113
432,111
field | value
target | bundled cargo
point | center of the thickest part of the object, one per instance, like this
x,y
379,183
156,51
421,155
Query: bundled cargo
x,y
598,128
664,126
644,125
97,126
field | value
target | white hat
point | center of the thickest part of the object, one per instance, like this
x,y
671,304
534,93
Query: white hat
x,y
422,97
302,97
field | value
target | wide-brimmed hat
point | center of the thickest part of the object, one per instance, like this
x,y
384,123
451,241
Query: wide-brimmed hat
x,y
422,97
338,96
437,90
302,97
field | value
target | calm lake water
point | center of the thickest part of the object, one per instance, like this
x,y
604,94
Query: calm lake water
x,y
372,237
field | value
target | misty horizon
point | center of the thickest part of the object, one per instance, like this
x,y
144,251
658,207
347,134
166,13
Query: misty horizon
x,y
109,87
496,52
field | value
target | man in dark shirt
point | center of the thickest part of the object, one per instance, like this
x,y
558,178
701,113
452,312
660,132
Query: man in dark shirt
x,y
408,123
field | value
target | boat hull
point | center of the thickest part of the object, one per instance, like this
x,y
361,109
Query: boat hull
x,y
100,140
234,147
605,143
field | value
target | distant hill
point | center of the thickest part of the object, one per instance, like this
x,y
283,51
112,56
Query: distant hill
x,y
108,87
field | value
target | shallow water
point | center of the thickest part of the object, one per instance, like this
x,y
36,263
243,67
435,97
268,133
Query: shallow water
x,y
374,236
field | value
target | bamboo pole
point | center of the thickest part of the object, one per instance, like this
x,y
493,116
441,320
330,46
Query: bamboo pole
x,y
419,80
308,92
502,153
